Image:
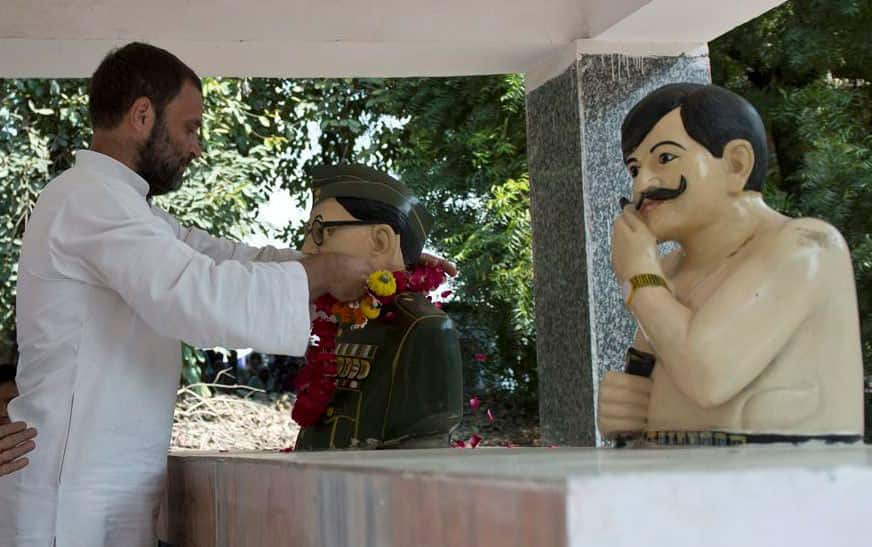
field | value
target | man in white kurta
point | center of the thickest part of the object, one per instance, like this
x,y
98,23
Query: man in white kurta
x,y
108,286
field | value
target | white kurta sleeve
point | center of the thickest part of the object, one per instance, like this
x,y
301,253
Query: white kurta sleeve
x,y
108,236
222,249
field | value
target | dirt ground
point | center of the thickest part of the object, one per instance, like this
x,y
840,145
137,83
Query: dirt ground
x,y
250,420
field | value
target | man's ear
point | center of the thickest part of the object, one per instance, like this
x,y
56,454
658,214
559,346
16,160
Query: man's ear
x,y
385,242
141,116
739,158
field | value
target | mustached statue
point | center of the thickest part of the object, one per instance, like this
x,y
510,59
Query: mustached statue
x,y
748,332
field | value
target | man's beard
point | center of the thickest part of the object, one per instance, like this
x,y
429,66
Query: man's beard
x,y
159,164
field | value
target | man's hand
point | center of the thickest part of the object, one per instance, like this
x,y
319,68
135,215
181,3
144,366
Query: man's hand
x,y
14,443
343,276
430,260
634,247
14,437
622,405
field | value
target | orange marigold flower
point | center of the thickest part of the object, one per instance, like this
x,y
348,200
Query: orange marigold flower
x,y
343,313
357,316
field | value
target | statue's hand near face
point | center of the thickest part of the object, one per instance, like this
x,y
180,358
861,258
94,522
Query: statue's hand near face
x,y
434,261
634,247
623,403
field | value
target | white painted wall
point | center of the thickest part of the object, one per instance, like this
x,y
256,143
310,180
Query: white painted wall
x,y
67,38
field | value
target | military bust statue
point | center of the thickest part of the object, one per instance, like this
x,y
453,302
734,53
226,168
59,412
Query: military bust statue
x,y
399,380
750,329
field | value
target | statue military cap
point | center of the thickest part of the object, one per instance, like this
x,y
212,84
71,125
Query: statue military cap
x,y
360,181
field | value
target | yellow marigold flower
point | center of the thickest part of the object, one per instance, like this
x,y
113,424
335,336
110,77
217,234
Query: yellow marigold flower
x,y
382,283
370,307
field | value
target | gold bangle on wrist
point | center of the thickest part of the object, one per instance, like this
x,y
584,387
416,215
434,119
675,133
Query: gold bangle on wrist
x,y
642,280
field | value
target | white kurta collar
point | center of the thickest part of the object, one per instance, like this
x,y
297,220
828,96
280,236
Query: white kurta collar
x,y
112,168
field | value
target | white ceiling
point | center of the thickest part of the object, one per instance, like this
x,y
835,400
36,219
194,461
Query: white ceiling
x,y
57,38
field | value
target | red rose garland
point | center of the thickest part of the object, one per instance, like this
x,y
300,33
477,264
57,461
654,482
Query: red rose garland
x,y
316,380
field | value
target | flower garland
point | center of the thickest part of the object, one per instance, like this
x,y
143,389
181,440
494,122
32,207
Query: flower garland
x,y
316,381
382,286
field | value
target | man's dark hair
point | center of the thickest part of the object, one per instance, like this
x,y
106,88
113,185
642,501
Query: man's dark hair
x,y
371,210
133,71
711,115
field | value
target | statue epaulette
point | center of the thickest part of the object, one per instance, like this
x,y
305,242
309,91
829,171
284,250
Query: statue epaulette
x,y
416,305
399,382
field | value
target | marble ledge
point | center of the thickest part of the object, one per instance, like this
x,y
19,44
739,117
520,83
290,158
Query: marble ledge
x,y
522,497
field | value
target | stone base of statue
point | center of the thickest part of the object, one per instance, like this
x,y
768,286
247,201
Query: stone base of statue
x,y
746,496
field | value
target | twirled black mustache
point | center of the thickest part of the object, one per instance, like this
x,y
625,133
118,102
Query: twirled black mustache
x,y
659,194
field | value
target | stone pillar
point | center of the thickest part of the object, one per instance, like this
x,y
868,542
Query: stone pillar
x,y
575,106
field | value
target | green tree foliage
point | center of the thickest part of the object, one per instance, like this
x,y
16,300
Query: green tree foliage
x,y
463,148
41,123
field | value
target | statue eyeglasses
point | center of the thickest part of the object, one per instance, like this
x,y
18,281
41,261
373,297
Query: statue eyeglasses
x,y
318,225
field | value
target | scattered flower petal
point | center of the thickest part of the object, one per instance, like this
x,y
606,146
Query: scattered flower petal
x,y
474,404
287,450
490,415
474,440
480,357
446,294
459,444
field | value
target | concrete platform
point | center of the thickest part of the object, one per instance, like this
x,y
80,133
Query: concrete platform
x,y
768,496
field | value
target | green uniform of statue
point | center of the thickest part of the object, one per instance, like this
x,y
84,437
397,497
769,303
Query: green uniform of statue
x,y
399,378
